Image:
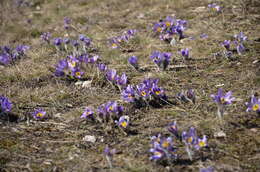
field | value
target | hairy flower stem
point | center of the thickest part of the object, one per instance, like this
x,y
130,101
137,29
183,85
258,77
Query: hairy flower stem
x,y
109,161
189,152
220,111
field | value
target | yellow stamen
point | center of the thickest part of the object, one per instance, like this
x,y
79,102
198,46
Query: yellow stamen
x,y
124,124
159,29
190,139
39,114
73,64
78,74
255,107
157,92
165,144
143,93
114,45
168,24
202,144
222,100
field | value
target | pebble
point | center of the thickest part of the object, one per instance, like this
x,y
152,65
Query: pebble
x,y
89,138
220,134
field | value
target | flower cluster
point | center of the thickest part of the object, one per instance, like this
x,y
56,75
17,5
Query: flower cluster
x,y
46,36
73,66
143,92
161,59
187,96
113,77
185,53
214,7
164,148
115,42
238,42
192,141
70,46
167,28
5,104
253,105
222,100
104,112
9,55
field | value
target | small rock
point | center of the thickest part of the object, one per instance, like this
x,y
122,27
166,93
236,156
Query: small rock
x,y
86,84
199,9
89,138
38,7
220,134
255,61
140,16
253,130
79,83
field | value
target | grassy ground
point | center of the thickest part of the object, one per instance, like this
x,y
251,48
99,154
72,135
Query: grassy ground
x,y
56,144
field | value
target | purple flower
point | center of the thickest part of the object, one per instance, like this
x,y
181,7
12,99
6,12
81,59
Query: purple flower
x,y
111,75
5,104
66,40
240,37
76,73
253,105
128,94
67,22
185,53
61,66
173,128
209,169
226,44
190,138
133,60
201,143
123,122
162,60
122,80
86,40
159,27
131,32
57,41
158,153
46,36
5,59
143,91
157,91
222,99
114,43
191,95
239,47
215,7
162,147
109,152
102,67
113,107
93,59
75,43
204,36
39,114
169,21
88,113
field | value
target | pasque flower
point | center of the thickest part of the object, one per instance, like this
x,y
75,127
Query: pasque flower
x,y
123,122
133,61
5,104
253,104
162,60
222,100
39,114
88,113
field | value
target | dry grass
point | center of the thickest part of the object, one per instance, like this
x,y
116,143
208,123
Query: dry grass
x,y
56,144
